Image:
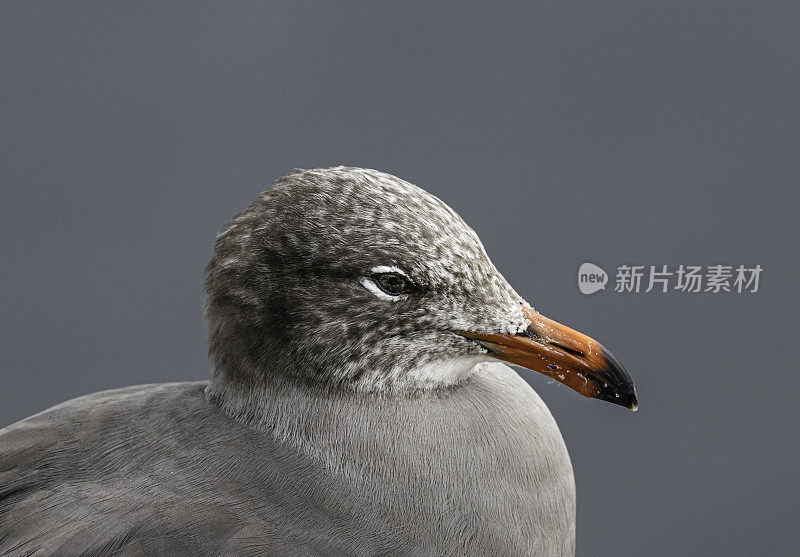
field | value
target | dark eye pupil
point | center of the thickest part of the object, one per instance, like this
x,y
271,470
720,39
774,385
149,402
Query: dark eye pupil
x,y
392,283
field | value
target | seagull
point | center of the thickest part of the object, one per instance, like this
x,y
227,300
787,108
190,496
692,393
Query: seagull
x,y
358,404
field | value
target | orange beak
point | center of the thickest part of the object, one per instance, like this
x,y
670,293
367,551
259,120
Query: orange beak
x,y
572,358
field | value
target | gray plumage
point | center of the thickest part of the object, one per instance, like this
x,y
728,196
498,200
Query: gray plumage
x,y
338,420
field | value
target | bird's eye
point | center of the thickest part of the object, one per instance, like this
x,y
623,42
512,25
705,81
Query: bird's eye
x,y
393,283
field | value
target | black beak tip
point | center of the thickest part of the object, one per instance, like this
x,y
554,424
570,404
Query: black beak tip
x,y
621,390
629,401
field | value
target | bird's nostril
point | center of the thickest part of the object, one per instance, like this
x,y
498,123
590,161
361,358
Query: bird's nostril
x,y
569,350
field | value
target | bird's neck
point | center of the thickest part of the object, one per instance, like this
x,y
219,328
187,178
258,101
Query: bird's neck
x,y
285,404
313,418
274,403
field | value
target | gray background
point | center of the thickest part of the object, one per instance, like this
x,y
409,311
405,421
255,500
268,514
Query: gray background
x,y
609,132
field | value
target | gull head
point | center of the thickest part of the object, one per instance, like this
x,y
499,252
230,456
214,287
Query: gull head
x,y
360,280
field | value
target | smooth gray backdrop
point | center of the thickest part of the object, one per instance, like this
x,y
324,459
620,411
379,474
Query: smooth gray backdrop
x,y
611,132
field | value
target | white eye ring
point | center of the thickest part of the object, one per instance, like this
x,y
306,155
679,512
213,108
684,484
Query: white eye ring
x,y
370,285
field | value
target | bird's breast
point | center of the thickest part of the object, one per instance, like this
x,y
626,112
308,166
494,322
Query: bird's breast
x,y
482,467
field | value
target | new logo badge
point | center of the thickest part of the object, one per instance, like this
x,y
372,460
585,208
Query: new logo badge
x,y
591,278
